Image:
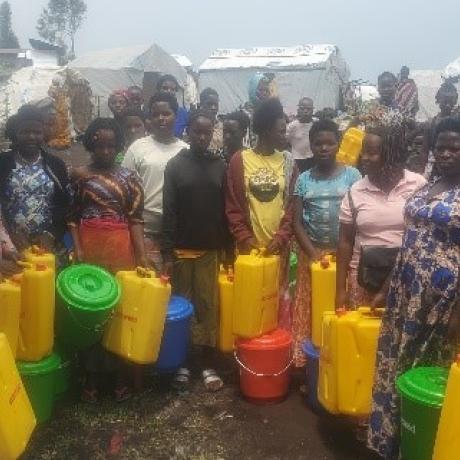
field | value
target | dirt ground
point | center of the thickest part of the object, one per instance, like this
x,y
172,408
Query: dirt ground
x,y
160,424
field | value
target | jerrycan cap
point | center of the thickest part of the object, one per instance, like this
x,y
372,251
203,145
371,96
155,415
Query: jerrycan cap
x,y
325,262
41,267
88,286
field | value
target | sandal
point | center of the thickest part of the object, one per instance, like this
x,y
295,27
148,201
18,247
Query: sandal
x,y
122,393
211,380
89,396
181,380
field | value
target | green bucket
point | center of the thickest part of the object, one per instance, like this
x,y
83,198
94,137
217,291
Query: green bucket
x,y
422,391
64,372
87,296
39,380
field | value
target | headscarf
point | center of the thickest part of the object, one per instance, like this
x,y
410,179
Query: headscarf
x,y
119,93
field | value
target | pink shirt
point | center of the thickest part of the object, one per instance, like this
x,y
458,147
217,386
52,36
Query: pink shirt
x,y
379,217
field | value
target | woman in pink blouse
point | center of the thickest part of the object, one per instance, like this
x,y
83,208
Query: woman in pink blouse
x,y
372,212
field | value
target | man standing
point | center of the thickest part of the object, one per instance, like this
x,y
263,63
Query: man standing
x,y
298,134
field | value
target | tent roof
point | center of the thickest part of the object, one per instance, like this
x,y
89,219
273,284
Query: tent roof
x,y
142,58
184,61
303,56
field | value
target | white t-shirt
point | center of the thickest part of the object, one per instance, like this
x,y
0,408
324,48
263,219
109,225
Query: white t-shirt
x,y
148,158
297,135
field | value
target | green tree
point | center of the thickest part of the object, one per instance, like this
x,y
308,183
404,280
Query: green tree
x,y
8,38
60,21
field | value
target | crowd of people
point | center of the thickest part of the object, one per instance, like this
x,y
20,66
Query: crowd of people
x,y
184,192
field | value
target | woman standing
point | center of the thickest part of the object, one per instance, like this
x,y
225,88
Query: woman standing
x,y
35,192
421,323
195,234
118,103
106,220
318,195
371,216
260,184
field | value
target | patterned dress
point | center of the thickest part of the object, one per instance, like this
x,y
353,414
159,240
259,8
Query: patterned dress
x,y
27,208
422,298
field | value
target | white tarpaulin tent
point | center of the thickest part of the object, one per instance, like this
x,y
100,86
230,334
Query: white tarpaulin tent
x,y
316,71
428,83
119,68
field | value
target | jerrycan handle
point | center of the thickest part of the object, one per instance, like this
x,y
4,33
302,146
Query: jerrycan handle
x,y
22,264
37,250
143,272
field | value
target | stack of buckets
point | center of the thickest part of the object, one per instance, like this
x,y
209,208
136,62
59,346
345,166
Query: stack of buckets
x,y
262,350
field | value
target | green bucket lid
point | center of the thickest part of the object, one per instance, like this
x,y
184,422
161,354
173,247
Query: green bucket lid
x,y
45,366
424,385
88,287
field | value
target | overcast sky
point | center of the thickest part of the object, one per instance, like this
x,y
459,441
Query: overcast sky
x,y
372,35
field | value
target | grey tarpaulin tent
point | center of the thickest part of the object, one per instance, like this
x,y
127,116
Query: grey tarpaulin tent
x,y
316,71
118,68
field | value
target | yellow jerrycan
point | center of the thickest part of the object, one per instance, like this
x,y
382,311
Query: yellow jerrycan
x,y
37,255
357,336
10,310
17,419
226,340
327,376
256,294
447,445
36,324
351,146
323,277
136,328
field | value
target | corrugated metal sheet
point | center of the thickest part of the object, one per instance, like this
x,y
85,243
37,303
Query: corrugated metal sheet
x,y
303,56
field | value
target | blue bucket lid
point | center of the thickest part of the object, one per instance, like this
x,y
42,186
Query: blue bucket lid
x,y
310,350
179,308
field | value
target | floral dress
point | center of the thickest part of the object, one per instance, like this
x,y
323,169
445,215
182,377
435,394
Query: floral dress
x,y
423,295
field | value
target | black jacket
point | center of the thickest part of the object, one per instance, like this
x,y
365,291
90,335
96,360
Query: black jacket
x,y
57,171
194,205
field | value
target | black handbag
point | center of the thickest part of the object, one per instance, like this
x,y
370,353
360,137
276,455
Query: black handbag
x,y
375,265
375,262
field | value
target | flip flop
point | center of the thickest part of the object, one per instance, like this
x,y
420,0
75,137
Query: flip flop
x,y
181,380
211,380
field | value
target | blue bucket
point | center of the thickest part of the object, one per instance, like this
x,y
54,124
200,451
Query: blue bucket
x,y
176,336
312,369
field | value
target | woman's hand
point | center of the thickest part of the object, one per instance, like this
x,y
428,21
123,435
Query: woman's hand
x,y
78,254
9,268
379,300
47,242
247,246
273,247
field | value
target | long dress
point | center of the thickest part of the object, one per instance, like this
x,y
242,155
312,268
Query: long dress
x,y
423,296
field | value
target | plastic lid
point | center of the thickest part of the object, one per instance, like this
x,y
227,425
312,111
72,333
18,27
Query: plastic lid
x,y
424,385
45,366
278,338
178,308
310,350
88,286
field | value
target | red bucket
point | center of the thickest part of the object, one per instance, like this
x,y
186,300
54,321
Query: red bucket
x,y
264,366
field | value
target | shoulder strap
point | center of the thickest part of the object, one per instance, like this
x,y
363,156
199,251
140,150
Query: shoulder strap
x,y
354,211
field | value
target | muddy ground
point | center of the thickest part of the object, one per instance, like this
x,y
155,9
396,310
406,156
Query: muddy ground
x,y
161,424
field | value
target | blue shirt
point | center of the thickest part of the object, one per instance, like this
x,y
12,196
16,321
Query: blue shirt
x,y
181,122
321,199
